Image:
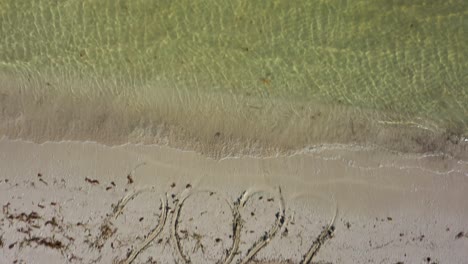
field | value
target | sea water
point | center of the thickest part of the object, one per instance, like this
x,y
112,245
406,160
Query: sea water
x,y
228,77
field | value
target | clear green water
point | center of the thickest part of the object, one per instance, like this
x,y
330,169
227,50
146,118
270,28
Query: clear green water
x,y
408,58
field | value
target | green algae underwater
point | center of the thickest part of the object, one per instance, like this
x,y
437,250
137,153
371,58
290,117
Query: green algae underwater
x,y
237,77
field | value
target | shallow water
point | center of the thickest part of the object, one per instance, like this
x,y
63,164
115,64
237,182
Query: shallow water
x,y
226,77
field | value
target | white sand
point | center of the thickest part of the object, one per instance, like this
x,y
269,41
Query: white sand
x,y
378,207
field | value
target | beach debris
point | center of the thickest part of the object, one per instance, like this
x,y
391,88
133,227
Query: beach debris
x,y
429,260
52,222
198,244
130,174
82,53
460,235
106,230
265,81
129,179
420,238
93,182
42,180
23,217
6,208
49,242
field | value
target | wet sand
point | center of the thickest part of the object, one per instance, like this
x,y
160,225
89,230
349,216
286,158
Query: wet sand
x,y
43,108
89,203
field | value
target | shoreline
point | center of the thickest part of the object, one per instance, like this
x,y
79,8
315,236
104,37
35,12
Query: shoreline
x,y
214,124
105,204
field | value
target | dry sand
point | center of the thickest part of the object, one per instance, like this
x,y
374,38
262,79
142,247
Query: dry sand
x,y
72,202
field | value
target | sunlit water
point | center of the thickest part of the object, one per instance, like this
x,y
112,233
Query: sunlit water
x,y
236,75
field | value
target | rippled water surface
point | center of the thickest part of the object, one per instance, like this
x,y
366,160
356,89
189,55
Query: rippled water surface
x,y
292,73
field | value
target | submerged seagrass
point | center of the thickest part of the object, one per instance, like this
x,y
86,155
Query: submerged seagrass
x,y
236,76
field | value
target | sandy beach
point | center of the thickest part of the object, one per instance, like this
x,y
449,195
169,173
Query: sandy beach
x,y
233,132
73,202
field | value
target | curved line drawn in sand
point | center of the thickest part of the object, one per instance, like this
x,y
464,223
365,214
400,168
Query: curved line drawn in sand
x,y
265,239
236,226
121,204
152,234
175,222
325,235
117,211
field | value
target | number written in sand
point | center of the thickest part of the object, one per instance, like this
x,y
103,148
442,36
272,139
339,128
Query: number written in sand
x,y
237,225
